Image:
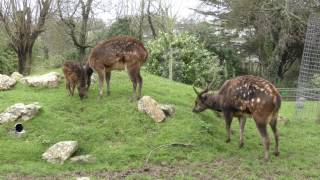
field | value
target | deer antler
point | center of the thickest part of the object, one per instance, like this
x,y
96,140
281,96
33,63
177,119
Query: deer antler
x,y
195,90
210,85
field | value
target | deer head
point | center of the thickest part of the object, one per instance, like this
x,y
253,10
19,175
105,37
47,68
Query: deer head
x,y
201,103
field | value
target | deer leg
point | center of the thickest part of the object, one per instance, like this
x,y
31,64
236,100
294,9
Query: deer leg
x,y
108,77
273,125
89,72
228,120
73,85
140,82
133,77
68,88
242,123
101,75
265,138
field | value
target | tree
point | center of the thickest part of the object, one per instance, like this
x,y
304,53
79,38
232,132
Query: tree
x,y
68,13
23,22
122,26
275,30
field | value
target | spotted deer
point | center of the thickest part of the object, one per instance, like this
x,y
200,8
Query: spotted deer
x,y
243,96
118,53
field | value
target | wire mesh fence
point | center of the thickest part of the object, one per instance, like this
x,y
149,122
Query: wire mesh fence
x,y
308,91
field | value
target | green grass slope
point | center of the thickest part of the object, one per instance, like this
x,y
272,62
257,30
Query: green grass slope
x,y
121,137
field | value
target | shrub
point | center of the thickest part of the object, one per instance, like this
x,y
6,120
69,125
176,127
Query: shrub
x,y
316,81
192,63
8,60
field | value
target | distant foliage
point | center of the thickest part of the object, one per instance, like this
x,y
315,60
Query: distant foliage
x,y
8,60
316,81
122,27
192,63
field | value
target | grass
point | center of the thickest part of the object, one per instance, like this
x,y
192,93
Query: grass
x,y
120,137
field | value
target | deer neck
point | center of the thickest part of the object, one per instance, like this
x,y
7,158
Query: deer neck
x,y
214,102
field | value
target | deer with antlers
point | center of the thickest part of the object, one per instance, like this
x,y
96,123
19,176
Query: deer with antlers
x,y
243,96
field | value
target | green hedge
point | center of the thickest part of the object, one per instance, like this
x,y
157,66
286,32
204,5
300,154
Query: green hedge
x,y
192,63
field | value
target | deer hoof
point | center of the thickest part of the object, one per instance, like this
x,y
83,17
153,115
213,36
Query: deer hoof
x,y
241,145
228,140
108,93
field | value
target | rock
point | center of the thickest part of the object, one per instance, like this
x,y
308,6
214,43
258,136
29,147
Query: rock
x,y
50,80
6,82
60,152
19,111
83,159
148,105
83,178
168,109
17,76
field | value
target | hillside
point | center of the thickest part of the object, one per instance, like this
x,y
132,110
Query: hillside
x,y
120,137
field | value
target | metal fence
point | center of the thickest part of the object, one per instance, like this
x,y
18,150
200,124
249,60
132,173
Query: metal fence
x,y
288,94
308,92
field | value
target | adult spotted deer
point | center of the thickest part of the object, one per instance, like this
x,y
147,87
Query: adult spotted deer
x,y
242,96
118,53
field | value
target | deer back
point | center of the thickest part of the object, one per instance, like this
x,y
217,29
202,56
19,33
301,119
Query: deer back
x,y
117,53
249,94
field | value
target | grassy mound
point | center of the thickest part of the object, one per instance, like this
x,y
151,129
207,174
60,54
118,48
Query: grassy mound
x,y
120,137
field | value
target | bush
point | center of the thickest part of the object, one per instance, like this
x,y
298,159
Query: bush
x,y
8,60
192,63
316,81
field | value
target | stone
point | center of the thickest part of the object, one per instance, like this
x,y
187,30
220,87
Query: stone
x,y
83,178
83,159
148,105
17,76
168,109
20,111
60,151
6,82
50,80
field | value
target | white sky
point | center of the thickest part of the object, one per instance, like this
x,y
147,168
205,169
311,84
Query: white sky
x,y
181,8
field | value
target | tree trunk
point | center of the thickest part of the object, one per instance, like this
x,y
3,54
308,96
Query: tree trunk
x,y
141,20
25,62
154,34
82,53
170,63
28,61
22,63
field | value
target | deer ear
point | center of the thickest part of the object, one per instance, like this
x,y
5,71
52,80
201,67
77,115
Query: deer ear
x,y
204,96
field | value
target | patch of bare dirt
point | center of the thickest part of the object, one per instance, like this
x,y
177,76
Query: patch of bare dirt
x,y
205,170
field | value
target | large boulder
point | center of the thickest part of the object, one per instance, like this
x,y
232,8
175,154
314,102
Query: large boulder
x,y
17,76
60,152
50,80
19,111
168,109
148,105
6,82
